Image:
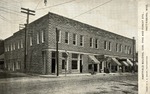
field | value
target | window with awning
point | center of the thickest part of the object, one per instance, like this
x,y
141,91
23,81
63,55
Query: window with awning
x,y
125,63
92,57
129,62
116,61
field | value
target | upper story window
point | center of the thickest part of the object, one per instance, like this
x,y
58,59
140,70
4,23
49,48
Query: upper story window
x,y
38,38
105,45
11,48
120,48
14,47
128,50
18,45
117,45
8,48
81,40
74,39
109,46
125,49
5,48
66,37
91,42
21,43
96,43
30,40
43,36
59,36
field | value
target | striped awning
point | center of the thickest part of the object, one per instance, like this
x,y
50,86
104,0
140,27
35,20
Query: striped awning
x,y
129,62
116,61
92,57
125,63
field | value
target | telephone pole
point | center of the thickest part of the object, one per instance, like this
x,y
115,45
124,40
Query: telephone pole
x,y
21,26
28,12
57,53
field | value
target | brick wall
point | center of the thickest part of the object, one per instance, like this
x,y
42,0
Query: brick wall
x,y
71,26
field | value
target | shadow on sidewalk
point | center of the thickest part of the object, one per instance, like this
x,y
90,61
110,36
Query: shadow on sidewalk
x,y
6,74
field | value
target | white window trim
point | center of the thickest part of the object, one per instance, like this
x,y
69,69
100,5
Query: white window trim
x,y
31,41
8,48
42,36
14,46
37,38
59,41
18,45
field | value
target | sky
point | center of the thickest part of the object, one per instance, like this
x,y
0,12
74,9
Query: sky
x,y
117,16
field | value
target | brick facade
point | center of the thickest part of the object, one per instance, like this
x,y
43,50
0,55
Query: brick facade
x,y
42,33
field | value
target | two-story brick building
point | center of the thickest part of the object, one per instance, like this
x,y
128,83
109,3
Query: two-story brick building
x,y
84,45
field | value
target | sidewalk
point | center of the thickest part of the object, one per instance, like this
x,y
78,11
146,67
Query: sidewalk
x,y
25,78
85,74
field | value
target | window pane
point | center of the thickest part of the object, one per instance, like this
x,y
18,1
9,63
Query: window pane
x,y
53,54
91,42
96,43
81,40
63,64
117,47
109,46
74,55
74,64
74,39
66,37
105,45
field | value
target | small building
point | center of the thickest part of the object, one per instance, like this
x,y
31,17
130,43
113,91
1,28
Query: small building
x,y
82,48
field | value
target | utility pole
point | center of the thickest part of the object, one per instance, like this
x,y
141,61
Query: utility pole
x,y
21,26
133,54
28,12
57,53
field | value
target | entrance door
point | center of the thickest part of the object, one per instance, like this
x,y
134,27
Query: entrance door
x,y
95,67
81,66
53,66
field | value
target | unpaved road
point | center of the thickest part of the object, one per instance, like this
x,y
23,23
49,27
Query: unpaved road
x,y
93,84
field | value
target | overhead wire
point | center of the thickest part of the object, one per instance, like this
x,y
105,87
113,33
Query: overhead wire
x,y
38,4
5,19
57,4
92,9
